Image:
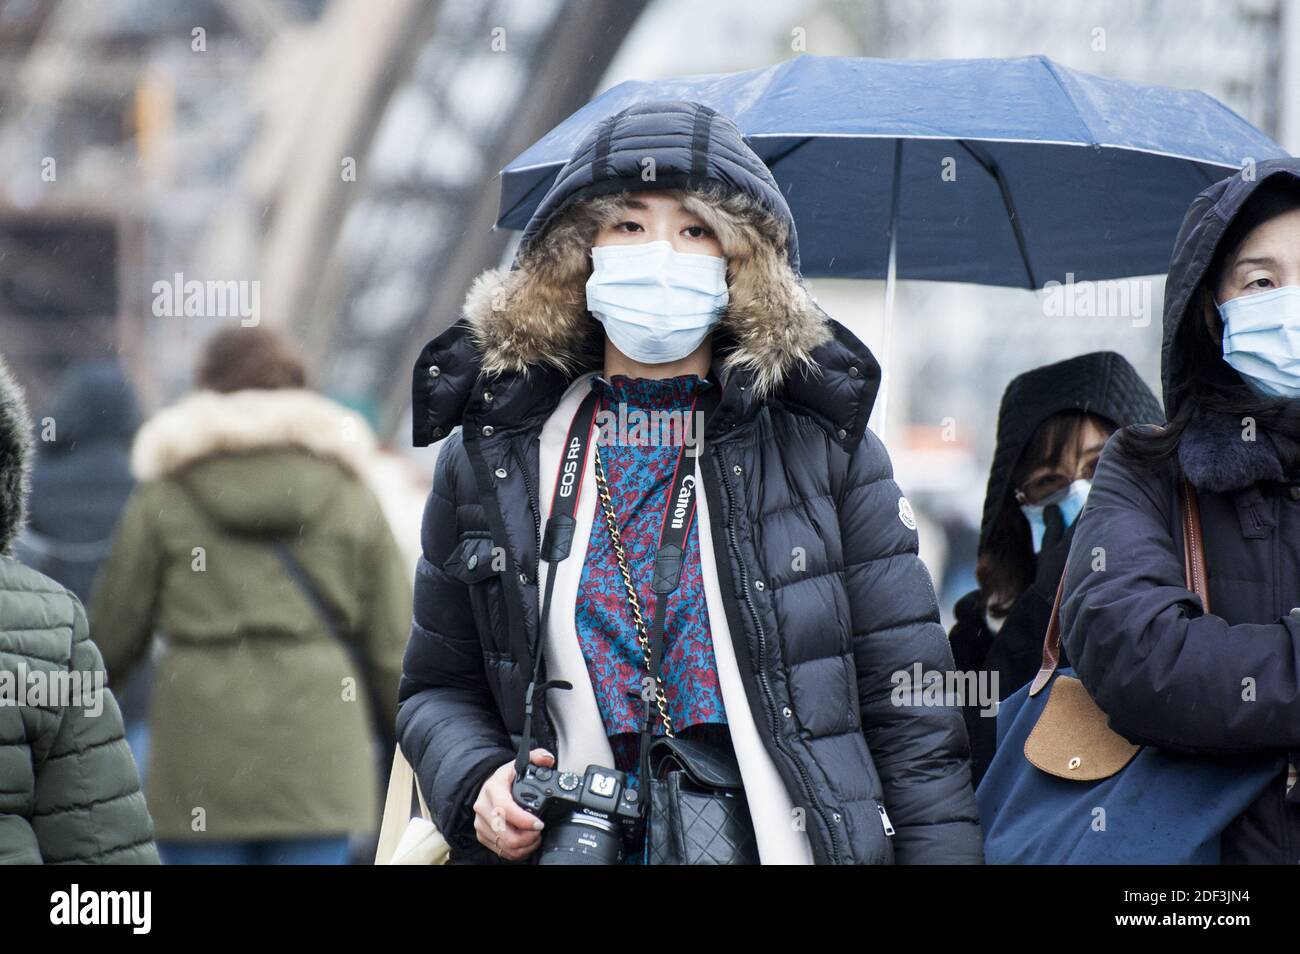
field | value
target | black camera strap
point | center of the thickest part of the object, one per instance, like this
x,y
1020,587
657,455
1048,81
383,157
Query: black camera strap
x,y
674,532
557,541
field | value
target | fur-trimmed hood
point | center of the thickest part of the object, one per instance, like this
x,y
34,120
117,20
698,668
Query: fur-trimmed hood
x,y
15,458
1214,451
530,320
206,424
256,461
535,312
1216,455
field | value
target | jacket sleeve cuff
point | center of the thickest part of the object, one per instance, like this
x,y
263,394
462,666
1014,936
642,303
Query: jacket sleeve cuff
x,y
460,832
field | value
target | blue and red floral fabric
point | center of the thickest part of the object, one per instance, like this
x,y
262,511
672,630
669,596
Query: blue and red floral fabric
x,y
639,463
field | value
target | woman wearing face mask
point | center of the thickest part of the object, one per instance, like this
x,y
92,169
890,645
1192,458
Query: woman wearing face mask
x,y
1052,424
1167,672
799,593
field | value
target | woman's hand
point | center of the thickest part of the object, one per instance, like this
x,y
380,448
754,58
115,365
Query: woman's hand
x,y
500,823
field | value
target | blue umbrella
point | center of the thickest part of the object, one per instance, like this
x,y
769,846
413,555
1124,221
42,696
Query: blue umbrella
x,y
1009,172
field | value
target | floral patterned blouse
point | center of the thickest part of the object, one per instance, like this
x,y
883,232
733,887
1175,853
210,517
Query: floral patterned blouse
x,y
640,455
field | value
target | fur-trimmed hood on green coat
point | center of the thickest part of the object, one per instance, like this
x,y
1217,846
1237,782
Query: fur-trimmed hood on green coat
x,y
260,716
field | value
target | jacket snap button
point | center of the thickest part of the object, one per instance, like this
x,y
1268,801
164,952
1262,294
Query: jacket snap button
x,y
437,432
501,473
434,371
488,430
854,372
523,578
487,397
841,434
787,712
472,561
1075,762
758,585
736,470
836,816
1296,612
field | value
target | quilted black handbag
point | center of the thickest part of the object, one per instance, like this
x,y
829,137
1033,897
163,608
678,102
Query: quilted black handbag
x,y
697,811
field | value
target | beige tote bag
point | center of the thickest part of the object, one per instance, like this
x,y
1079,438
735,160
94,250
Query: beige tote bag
x,y
404,840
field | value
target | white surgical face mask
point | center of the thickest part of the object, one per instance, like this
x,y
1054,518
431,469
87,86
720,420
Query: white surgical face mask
x,y
1261,340
657,304
1070,501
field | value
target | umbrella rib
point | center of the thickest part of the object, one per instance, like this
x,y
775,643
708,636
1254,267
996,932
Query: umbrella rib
x,y
992,168
1209,179
770,163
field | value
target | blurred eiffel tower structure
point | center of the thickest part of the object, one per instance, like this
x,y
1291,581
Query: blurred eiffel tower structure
x,y
341,153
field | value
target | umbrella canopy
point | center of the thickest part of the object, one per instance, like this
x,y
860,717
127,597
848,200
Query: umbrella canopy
x,y
998,172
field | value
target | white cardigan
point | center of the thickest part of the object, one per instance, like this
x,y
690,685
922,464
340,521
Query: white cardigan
x,y
581,737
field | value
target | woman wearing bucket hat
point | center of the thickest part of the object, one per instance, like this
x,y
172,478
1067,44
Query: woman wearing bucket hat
x,y
749,585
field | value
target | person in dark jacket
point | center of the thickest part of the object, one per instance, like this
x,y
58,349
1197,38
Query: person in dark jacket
x,y
69,790
1221,681
81,477
81,480
1052,424
803,598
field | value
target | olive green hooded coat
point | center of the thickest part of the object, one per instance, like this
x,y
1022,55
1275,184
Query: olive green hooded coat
x,y
260,717
69,790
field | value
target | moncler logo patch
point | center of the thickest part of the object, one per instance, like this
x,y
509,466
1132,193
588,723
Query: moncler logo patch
x,y
905,513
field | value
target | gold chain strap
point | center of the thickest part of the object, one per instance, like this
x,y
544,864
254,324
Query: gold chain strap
x,y
611,522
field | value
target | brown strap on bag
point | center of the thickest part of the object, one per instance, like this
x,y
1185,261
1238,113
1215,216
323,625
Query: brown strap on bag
x,y
1195,578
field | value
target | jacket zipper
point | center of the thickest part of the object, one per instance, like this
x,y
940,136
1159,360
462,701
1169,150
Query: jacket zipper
x,y
534,506
884,820
768,705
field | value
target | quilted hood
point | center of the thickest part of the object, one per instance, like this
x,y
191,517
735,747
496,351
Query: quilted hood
x,y
1102,383
530,320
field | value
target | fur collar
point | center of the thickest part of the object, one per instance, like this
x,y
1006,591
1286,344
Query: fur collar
x,y
207,423
536,314
1216,457
15,458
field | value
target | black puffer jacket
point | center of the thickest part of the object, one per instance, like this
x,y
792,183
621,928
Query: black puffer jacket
x,y
1166,672
1103,384
787,463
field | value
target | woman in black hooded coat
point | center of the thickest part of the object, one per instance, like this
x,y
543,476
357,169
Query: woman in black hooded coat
x,y
1052,423
820,587
1222,682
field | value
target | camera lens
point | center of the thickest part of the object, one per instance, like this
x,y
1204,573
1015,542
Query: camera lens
x,y
582,839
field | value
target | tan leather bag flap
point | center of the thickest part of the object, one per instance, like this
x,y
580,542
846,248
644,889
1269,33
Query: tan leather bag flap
x,y
1071,738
